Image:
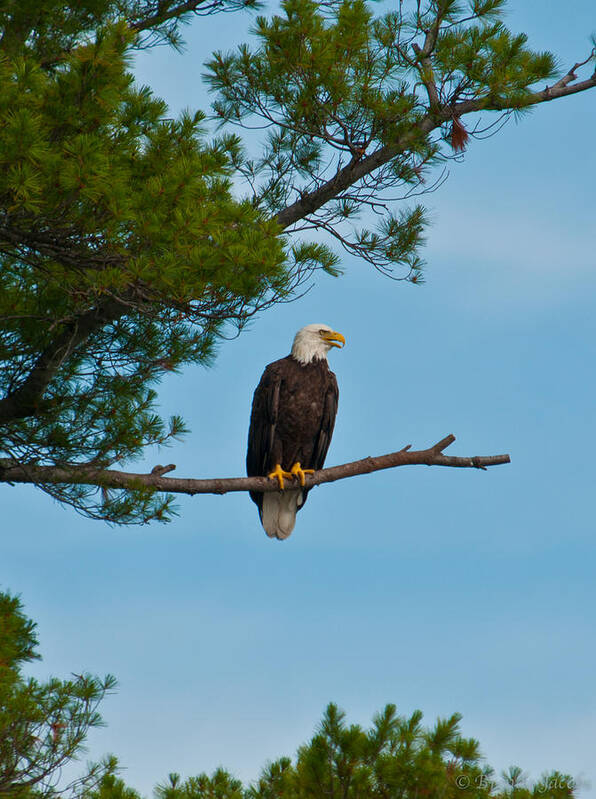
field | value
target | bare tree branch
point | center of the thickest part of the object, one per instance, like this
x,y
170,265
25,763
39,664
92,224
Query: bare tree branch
x,y
13,472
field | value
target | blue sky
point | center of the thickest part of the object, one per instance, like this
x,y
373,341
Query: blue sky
x,y
445,590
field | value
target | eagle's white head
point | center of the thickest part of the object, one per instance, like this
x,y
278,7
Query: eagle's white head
x,y
313,342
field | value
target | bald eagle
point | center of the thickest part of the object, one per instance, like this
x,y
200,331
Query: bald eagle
x,y
291,423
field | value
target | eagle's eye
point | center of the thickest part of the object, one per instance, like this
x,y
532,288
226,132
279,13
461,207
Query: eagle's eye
x,y
322,332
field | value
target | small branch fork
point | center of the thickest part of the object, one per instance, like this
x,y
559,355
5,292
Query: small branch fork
x,y
13,472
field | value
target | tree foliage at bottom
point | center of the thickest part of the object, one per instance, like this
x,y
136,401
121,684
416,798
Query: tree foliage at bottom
x,y
43,725
397,757
43,728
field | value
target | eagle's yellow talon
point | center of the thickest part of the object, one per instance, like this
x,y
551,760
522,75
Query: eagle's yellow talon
x,y
300,473
279,474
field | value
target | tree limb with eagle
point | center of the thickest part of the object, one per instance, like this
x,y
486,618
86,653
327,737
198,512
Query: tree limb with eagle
x,y
14,472
125,253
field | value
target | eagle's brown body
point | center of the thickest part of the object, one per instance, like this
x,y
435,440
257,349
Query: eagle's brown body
x,y
292,420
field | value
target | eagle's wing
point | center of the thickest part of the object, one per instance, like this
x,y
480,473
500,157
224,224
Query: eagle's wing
x,y
263,421
327,423
323,439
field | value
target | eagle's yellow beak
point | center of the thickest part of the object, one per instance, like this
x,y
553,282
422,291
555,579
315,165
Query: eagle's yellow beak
x,y
333,338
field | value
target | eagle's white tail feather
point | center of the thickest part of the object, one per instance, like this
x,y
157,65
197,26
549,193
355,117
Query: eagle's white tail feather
x,y
279,512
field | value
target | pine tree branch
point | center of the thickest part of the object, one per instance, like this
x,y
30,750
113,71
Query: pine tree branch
x,y
426,76
24,401
165,11
423,54
357,168
437,116
561,88
12,471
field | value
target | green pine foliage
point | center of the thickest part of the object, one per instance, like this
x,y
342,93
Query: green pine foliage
x,y
124,253
111,787
126,245
396,757
43,726
340,85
